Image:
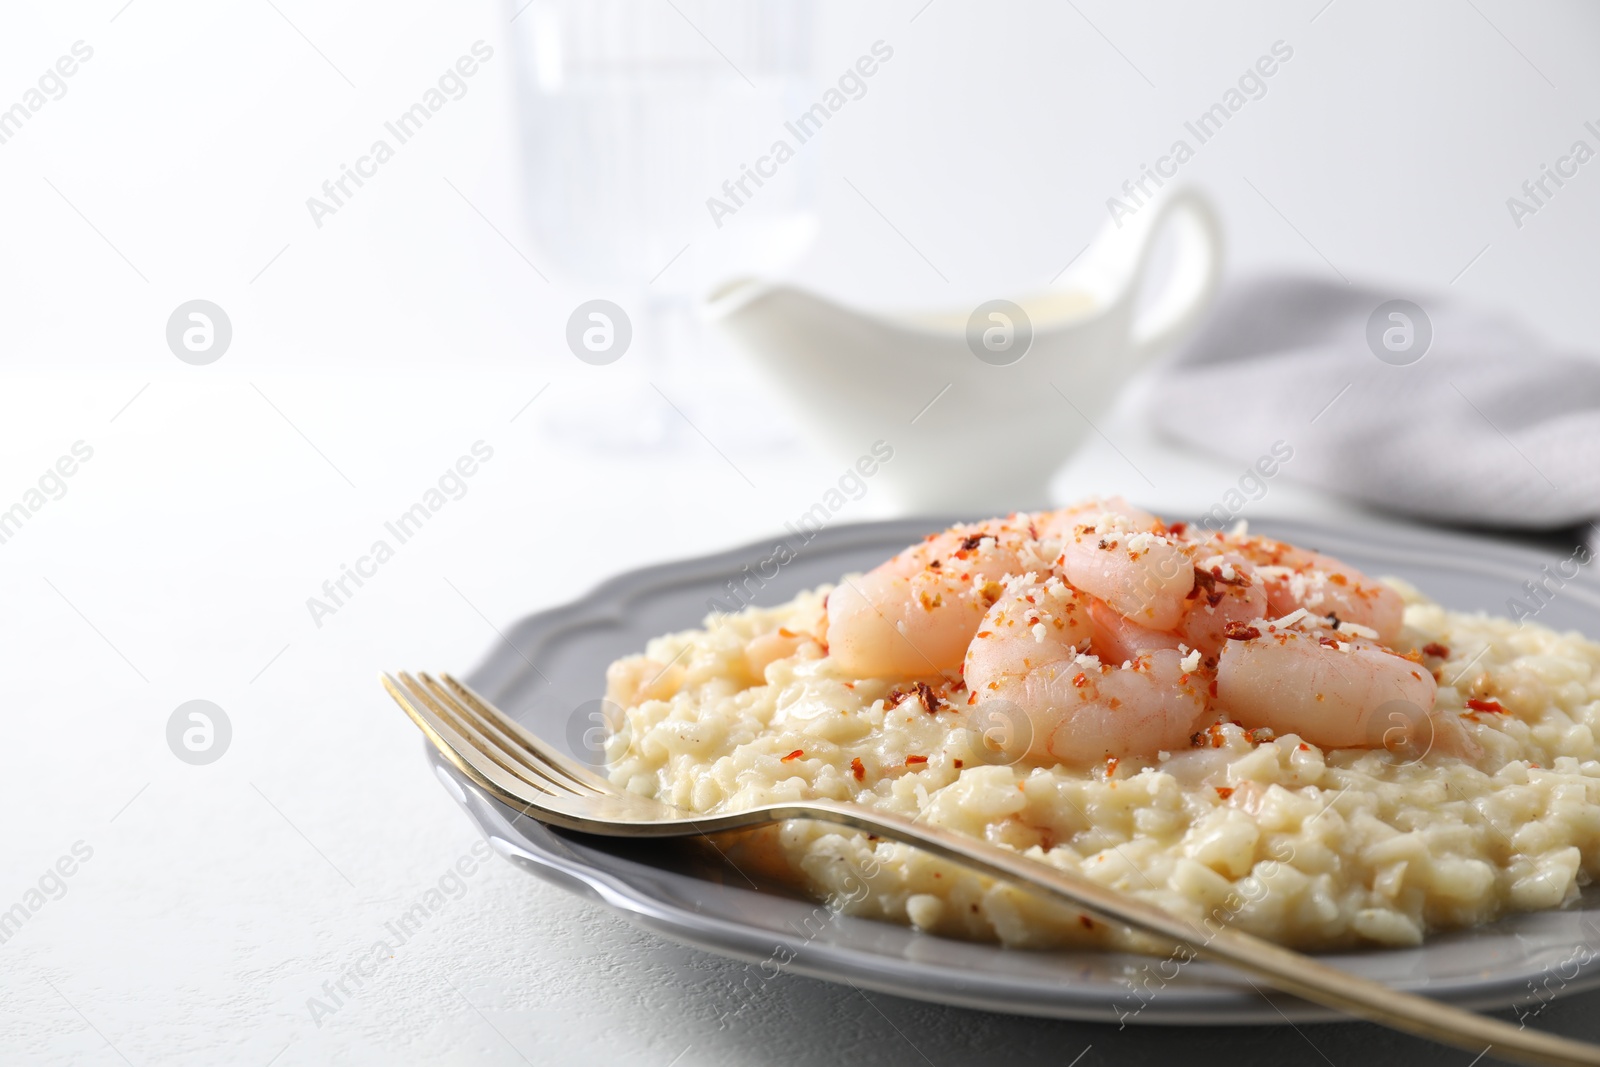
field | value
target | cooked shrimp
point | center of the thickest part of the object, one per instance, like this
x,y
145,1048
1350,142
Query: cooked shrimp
x,y
914,615
1033,623
1299,578
1332,692
1144,576
1117,640
1114,634
1139,709
1028,654
1226,591
1060,524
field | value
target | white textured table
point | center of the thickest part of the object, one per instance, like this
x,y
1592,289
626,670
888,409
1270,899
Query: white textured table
x,y
228,912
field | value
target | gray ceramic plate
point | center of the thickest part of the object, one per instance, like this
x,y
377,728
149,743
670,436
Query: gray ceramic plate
x,y
553,664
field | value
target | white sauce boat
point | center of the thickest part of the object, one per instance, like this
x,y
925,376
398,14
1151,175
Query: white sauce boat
x,y
994,437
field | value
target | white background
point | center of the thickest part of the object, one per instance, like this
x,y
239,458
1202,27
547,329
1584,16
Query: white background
x,y
370,353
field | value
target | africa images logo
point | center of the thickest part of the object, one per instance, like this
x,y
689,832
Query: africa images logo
x,y
851,85
451,85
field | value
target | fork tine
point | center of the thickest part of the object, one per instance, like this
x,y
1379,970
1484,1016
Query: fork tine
x,y
558,761
490,731
463,731
466,728
462,754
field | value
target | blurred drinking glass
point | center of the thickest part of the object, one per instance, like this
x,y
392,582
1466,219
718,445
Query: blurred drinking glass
x,y
635,114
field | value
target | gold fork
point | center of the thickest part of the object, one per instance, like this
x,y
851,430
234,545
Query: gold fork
x,y
520,770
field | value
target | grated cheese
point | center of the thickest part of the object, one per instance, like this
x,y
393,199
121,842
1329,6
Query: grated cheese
x,y
1293,617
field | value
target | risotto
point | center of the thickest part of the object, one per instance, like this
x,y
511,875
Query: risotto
x,y
1486,805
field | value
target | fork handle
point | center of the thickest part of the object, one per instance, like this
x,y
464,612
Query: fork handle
x,y
1293,972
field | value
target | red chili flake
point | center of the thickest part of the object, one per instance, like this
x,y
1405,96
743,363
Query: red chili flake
x,y
858,770
1081,680
1436,650
970,543
1104,544
1088,923
849,685
1238,631
958,764
796,754
1486,705
1178,528
1111,766
1338,579
1304,747
912,761
1224,791
935,565
1197,739
921,691
1215,731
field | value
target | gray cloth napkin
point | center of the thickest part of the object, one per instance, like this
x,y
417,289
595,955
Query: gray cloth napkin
x,y
1487,427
